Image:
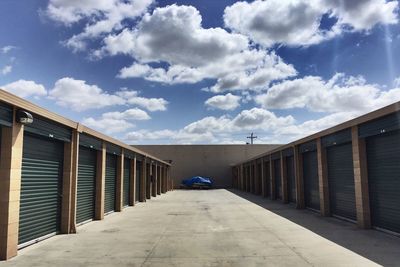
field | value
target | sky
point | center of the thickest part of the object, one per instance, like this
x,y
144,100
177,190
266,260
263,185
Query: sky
x,y
203,71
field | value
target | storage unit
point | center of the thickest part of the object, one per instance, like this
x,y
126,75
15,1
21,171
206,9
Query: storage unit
x,y
278,178
291,180
110,183
6,114
383,161
339,156
138,177
310,175
41,181
127,181
86,189
267,177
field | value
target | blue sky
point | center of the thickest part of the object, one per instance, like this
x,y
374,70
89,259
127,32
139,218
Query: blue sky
x,y
161,72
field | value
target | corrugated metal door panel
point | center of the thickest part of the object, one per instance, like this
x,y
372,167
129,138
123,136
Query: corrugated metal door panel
x,y
341,181
41,180
383,157
267,175
6,114
127,181
110,183
138,175
278,181
86,184
310,176
47,128
291,179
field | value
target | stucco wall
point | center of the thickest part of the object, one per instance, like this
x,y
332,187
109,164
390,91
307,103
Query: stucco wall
x,y
213,161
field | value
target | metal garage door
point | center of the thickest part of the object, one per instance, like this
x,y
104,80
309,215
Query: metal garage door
x,y
310,176
291,179
341,181
86,184
127,181
41,180
278,180
138,177
383,157
110,183
267,178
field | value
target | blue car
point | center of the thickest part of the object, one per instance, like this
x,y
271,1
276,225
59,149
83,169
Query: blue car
x,y
197,182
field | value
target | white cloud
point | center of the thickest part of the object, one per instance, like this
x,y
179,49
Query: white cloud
x,y
339,94
174,35
23,88
224,102
130,114
151,104
7,48
396,82
6,69
299,21
79,96
108,125
102,16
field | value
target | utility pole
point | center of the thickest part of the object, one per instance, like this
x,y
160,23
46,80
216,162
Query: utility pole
x,y
251,137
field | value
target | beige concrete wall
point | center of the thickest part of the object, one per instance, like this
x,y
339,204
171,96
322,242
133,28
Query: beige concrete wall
x,y
213,161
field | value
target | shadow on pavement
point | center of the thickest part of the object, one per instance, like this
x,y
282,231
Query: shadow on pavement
x,y
380,247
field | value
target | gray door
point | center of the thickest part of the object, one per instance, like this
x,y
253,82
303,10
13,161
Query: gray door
x,y
110,183
267,179
310,176
341,181
278,180
86,184
127,181
41,180
383,157
291,179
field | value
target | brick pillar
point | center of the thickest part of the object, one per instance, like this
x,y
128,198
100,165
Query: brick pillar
x,y
132,189
159,180
323,179
100,183
143,182
361,180
69,185
284,182
298,172
10,187
263,180
119,203
272,178
154,180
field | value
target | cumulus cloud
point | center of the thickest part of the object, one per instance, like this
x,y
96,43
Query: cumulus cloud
x,y
224,102
299,22
6,69
174,35
24,88
130,114
101,16
338,94
79,96
151,104
108,125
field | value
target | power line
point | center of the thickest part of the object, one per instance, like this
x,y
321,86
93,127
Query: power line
x,y
251,137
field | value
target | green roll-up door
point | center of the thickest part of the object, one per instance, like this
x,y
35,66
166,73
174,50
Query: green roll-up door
x,y
110,183
310,176
127,181
278,180
86,184
267,175
41,180
6,114
383,159
291,179
341,181
138,177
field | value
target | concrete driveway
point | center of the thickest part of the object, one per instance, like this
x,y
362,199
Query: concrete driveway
x,y
214,228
